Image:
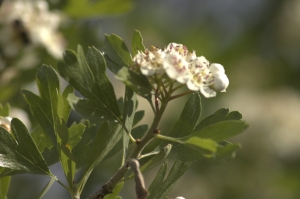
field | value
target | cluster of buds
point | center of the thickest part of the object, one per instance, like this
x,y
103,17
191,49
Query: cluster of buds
x,y
183,66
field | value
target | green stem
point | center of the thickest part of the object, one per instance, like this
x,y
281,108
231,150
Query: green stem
x,y
163,137
46,188
152,133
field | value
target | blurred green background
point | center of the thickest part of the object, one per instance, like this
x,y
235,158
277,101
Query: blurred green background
x,y
257,42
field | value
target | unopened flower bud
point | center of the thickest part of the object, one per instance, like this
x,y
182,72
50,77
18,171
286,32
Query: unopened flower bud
x,y
215,68
5,122
220,82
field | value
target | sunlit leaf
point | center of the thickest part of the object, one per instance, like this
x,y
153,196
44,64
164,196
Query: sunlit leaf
x,y
221,130
201,145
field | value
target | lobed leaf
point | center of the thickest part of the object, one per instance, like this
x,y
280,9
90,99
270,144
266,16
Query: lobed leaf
x,y
130,103
105,140
87,75
138,117
160,187
156,185
21,153
201,145
137,43
221,130
116,52
220,115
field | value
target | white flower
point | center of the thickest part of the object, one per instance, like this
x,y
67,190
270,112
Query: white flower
x,y
150,62
177,67
30,22
179,197
185,67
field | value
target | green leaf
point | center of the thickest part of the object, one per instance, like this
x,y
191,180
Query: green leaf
x,y
41,139
105,140
217,127
81,9
87,75
186,123
130,102
85,145
201,145
226,151
221,130
48,85
157,183
159,188
220,115
64,148
137,43
64,107
138,117
137,83
4,185
21,153
42,112
216,132
75,132
51,104
188,117
117,53
159,157
4,110
139,131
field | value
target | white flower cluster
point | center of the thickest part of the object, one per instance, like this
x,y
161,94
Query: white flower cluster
x,y
30,22
184,67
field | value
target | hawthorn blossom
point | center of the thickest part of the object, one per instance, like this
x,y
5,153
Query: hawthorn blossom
x,y
176,67
150,62
185,67
27,23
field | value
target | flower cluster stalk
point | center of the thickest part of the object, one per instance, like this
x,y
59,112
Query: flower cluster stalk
x,y
140,145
